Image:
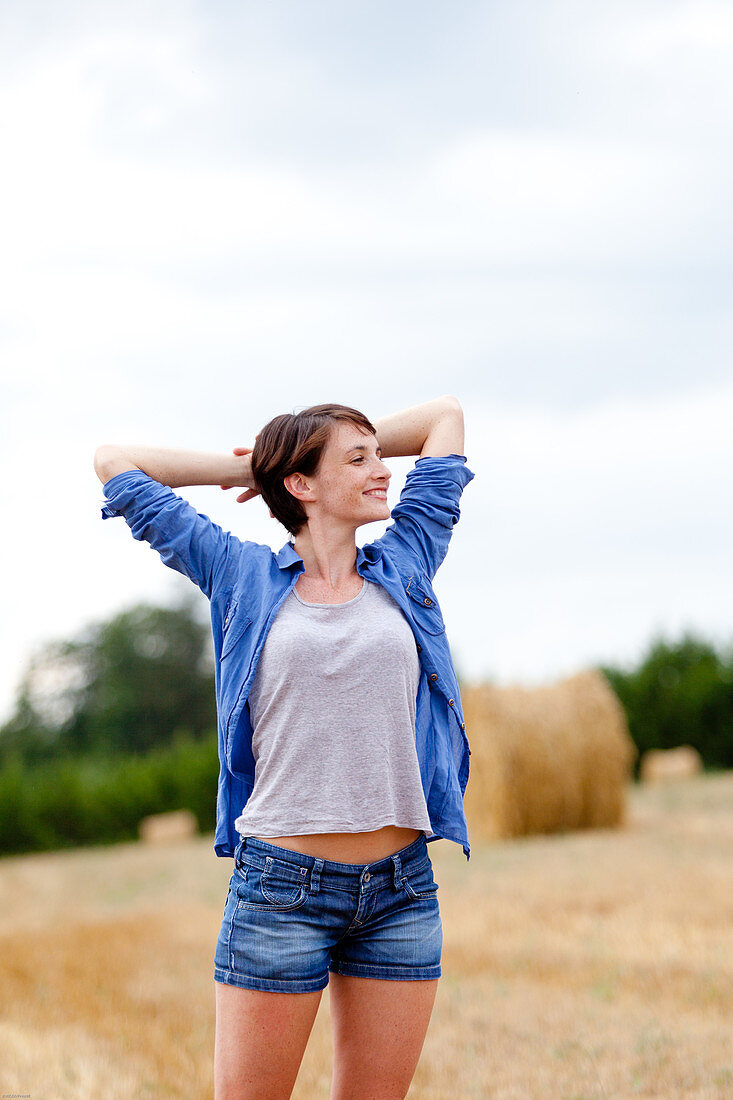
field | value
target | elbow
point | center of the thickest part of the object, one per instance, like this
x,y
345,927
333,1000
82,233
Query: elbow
x,y
452,403
454,409
102,457
99,458
109,460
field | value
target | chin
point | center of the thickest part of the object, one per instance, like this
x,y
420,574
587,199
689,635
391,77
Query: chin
x,y
377,514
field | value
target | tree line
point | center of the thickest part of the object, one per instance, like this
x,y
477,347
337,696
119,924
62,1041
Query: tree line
x,y
124,686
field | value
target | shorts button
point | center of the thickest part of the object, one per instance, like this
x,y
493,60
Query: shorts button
x,y
367,876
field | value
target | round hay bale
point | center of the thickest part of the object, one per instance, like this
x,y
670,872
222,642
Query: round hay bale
x,y
546,759
669,765
168,828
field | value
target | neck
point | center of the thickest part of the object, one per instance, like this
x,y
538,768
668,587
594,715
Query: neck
x,y
329,556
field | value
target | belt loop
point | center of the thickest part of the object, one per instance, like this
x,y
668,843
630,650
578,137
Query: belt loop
x,y
315,881
396,872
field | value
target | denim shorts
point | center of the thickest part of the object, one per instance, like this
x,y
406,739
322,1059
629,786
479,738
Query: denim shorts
x,y
289,918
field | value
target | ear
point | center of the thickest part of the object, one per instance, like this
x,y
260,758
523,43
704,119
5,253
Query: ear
x,y
298,486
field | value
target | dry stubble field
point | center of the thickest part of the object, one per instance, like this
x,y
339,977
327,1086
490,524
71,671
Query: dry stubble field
x,y
595,964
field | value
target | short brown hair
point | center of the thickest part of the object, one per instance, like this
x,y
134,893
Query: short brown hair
x,y
294,443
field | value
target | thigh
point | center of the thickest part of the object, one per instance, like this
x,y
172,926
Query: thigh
x,y
260,1041
379,1029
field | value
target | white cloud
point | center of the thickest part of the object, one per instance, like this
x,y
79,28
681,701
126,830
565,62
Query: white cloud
x,y
697,32
543,197
596,528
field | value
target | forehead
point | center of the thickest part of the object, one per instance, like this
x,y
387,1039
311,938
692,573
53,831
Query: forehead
x,y
345,436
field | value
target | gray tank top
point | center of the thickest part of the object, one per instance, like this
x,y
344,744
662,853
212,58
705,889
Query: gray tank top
x,y
333,713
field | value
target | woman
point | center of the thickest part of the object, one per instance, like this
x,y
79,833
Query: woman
x,y
341,738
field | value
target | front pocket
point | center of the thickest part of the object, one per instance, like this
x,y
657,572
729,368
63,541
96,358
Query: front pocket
x,y
277,885
424,605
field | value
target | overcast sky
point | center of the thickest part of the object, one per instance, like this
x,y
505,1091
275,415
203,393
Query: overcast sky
x,y
216,212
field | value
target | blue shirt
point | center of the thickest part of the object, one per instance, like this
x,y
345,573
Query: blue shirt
x,y
246,582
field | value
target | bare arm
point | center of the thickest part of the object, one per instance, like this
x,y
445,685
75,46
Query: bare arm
x,y
173,467
432,428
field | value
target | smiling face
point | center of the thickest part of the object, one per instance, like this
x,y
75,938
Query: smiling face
x,y
350,486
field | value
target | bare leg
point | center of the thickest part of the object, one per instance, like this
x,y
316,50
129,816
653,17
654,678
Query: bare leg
x,y
379,1028
260,1041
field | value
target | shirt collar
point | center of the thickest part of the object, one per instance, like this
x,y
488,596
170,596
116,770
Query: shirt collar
x,y
287,554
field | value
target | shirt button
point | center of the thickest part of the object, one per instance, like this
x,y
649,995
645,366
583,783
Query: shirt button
x,y
419,648
463,725
451,702
427,602
433,675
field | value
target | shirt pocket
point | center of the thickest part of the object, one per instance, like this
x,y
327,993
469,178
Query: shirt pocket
x,y
425,609
236,622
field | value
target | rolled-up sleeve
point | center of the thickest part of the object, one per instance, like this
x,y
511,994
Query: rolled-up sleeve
x,y
186,540
428,510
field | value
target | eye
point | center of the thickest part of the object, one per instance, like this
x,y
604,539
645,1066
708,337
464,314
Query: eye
x,y
359,459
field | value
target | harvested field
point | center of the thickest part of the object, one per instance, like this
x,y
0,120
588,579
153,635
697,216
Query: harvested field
x,y
596,963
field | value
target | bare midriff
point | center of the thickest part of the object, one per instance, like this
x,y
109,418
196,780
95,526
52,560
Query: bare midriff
x,y
349,847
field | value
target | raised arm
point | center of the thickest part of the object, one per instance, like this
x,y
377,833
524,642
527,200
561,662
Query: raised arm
x,y
432,428
139,484
175,468
428,508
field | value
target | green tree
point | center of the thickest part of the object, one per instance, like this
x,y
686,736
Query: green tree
x,y
125,685
681,693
